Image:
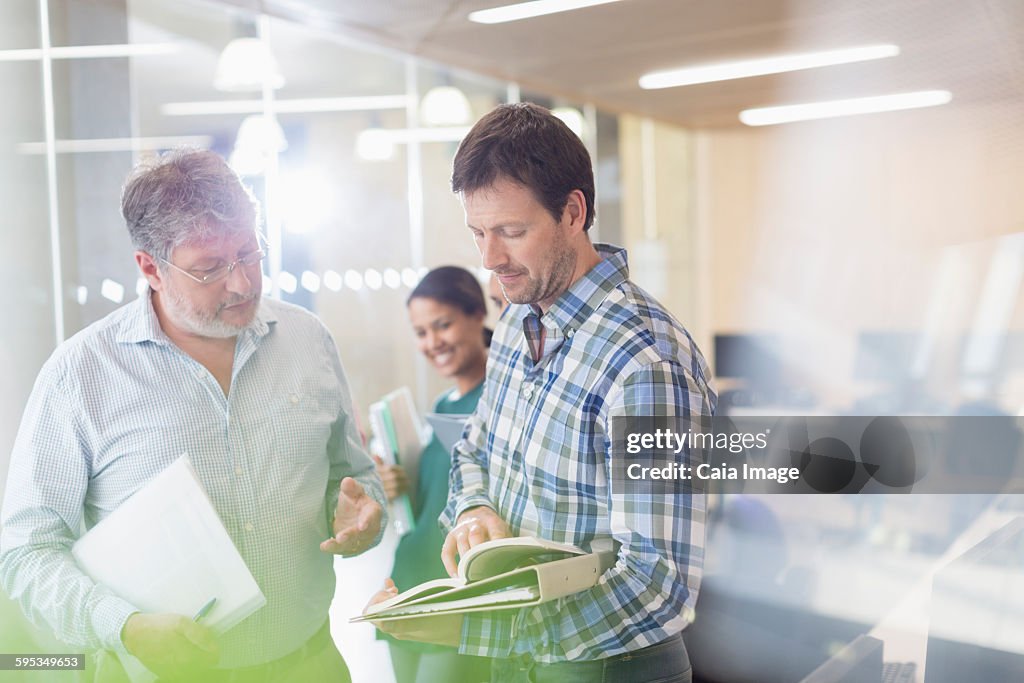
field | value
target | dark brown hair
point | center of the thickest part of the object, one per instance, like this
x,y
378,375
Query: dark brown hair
x,y
456,287
528,144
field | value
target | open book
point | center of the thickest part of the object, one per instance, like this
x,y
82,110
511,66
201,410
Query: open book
x,y
504,574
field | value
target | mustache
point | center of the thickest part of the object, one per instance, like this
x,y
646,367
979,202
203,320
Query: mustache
x,y
235,300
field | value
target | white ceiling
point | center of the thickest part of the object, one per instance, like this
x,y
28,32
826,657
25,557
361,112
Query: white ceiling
x,y
973,48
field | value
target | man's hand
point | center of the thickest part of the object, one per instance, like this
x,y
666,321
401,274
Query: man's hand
x,y
356,520
473,527
393,478
441,629
170,645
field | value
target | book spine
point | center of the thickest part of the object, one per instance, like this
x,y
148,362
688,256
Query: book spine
x,y
572,575
400,510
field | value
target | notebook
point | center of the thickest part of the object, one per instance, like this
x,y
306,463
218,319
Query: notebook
x,y
165,550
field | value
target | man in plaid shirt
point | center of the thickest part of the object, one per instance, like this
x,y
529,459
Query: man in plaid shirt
x,y
580,344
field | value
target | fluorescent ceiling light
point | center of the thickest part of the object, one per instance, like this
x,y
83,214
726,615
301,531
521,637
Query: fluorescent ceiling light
x,y
767,116
91,51
294,106
527,10
759,67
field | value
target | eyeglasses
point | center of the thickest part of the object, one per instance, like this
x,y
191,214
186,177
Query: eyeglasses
x,y
206,277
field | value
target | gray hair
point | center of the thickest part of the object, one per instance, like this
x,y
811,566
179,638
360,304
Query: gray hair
x,y
183,197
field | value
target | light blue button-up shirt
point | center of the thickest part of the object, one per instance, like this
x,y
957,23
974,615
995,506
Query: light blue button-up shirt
x,y
118,402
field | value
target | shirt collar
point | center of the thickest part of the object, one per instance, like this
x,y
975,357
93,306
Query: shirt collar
x,y
142,325
261,323
576,304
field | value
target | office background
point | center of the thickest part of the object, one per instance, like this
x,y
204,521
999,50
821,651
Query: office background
x,y
856,265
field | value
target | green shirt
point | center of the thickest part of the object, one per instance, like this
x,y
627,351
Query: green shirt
x,y
418,557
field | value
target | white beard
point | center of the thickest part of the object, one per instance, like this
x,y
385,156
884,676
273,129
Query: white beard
x,y
200,323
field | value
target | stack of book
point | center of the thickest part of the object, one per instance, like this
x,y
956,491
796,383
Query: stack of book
x,y
399,437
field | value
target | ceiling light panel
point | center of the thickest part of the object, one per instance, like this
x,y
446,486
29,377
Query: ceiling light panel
x,y
725,71
767,116
528,10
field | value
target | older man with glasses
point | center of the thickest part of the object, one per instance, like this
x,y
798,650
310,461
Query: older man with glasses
x,y
251,389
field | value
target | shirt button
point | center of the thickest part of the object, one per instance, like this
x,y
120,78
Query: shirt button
x,y
528,391
569,333
249,526
294,398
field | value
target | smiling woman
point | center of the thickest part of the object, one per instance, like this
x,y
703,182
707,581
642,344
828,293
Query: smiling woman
x,y
447,310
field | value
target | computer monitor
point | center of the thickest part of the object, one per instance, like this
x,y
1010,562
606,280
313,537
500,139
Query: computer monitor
x,y
885,356
750,357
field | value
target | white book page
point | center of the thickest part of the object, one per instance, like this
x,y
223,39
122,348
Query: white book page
x,y
514,595
166,550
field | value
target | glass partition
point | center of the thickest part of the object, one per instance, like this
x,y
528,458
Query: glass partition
x,y
853,266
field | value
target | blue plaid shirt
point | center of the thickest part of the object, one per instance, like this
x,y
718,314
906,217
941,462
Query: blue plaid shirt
x,y
118,402
538,451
